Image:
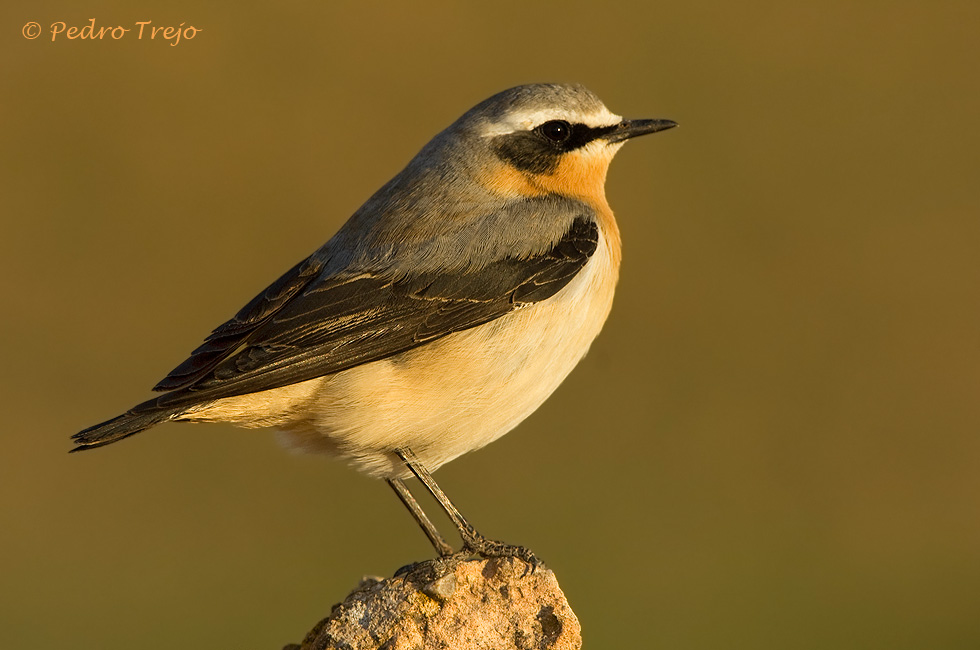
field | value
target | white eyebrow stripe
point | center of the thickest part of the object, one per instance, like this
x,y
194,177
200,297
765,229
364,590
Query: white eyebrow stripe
x,y
528,120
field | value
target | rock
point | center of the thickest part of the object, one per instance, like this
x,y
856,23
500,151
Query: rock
x,y
495,604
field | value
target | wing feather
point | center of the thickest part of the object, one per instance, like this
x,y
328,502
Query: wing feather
x,y
304,326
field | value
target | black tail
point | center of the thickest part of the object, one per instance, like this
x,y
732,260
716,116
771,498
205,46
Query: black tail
x,y
130,422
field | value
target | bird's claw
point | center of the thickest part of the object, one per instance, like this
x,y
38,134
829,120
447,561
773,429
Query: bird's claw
x,y
488,548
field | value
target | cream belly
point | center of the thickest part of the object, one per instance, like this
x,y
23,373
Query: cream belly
x,y
445,398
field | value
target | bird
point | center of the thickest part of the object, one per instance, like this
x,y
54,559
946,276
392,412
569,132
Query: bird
x,y
443,313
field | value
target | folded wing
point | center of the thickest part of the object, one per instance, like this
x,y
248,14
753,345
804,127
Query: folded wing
x,y
305,325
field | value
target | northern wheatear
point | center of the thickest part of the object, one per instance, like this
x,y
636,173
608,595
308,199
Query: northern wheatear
x,y
442,314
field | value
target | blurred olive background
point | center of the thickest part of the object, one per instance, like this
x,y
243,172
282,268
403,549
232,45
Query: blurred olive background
x,y
774,443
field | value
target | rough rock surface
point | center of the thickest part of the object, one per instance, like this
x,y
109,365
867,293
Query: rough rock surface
x,y
495,604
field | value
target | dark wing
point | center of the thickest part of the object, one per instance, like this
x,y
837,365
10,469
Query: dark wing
x,y
223,341
302,327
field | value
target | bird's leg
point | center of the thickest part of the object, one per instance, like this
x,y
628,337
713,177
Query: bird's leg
x,y
441,545
472,539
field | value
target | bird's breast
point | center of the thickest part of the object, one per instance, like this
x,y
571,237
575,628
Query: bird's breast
x,y
467,389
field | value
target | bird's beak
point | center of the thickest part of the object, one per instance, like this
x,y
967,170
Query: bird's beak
x,y
631,128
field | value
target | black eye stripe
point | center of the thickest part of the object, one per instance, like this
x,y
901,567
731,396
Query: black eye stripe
x,y
581,134
533,151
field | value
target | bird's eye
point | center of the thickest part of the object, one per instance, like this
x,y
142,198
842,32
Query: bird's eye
x,y
556,130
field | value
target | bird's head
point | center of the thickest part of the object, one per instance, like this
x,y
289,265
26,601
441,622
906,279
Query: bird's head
x,y
546,139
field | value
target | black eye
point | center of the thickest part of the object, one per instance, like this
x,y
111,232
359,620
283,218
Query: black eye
x,y
556,130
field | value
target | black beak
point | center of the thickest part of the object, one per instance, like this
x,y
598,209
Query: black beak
x,y
631,128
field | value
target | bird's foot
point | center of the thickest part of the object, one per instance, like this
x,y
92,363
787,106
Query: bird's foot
x,y
488,548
